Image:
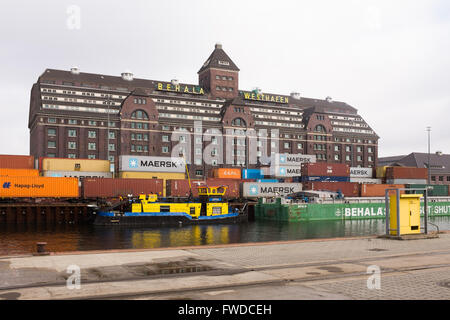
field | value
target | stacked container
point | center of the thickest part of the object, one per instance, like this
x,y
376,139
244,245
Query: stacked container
x,y
287,166
329,172
378,190
252,174
16,162
112,188
38,187
226,173
406,175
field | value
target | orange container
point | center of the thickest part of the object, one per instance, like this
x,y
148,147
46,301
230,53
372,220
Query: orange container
x,y
378,190
19,173
38,187
16,162
227,173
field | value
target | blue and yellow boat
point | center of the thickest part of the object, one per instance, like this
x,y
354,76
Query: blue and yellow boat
x,y
209,208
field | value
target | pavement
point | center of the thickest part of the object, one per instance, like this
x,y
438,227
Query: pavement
x,y
367,268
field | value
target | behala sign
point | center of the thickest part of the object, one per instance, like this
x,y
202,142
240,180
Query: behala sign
x,y
180,88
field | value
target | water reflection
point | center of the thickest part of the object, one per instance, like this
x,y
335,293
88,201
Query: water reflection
x,y
22,239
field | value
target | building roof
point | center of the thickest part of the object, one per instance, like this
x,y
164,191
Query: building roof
x,y
439,163
220,60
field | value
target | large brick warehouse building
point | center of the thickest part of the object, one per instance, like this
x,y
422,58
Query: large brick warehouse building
x,y
82,115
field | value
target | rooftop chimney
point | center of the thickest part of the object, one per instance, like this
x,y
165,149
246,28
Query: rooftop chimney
x,y
218,45
74,70
175,82
127,75
329,99
295,95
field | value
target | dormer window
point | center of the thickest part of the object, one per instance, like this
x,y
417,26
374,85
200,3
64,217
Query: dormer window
x,y
223,63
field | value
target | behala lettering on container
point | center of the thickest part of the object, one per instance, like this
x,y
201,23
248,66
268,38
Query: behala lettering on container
x,y
269,189
151,164
361,172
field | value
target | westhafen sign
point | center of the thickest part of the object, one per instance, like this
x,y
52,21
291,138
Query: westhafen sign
x,y
151,164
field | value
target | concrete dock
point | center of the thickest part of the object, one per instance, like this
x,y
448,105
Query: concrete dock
x,y
339,269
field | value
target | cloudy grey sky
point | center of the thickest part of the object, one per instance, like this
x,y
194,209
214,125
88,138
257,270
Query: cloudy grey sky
x,y
389,59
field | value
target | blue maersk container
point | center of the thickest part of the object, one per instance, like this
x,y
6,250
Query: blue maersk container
x,y
325,179
252,174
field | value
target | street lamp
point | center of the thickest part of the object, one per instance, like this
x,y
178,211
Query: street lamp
x,y
428,165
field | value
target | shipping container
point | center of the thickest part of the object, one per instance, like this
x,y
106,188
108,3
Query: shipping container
x,y
285,171
366,180
233,190
112,188
265,171
381,172
16,162
19,172
64,164
325,169
434,190
286,159
269,190
180,187
269,180
348,189
226,173
38,187
77,174
152,164
378,190
152,175
406,173
324,179
361,172
252,174
406,181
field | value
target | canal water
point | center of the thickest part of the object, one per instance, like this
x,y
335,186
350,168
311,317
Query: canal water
x,y
22,239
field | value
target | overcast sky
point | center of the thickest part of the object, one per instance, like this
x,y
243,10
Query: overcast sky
x,y
389,59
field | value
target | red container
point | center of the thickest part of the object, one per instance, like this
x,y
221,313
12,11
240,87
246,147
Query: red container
x,y
325,169
111,188
16,162
406,173
180,187
233,190
378,190
348,189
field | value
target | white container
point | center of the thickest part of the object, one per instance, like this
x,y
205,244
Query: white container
x,y
269,189
406,181
361,172
286,159
151,164
285,171
365,180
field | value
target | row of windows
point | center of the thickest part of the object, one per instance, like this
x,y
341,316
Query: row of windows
x,y
74,156
140,101
440,178
224,78
73,133
219,88
139,148
73,145
74,121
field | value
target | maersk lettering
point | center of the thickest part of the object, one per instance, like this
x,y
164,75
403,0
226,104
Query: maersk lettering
x,y
159,164
284,190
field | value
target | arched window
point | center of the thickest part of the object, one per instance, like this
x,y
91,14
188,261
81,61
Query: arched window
x,y
139,114
320,128
238,122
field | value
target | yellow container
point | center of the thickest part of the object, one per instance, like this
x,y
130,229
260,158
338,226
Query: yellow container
x,y
87,165
153,175
409,214
381,171
19,172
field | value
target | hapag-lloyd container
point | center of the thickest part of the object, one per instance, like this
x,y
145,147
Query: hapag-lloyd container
x,y
19,172
269,189
38,187
406,173
111,188
325,169
64,164
152,164
348,189
16,161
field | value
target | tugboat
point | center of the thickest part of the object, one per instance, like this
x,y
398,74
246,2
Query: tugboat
x,y
210,208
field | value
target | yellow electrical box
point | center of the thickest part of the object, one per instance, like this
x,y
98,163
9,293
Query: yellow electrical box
x,y
409,214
